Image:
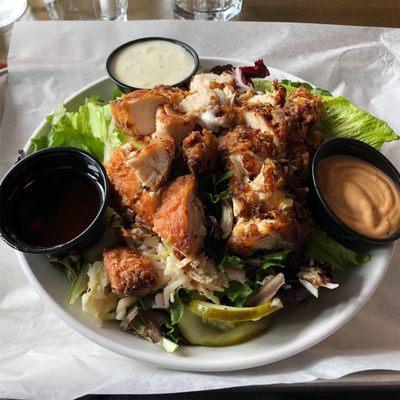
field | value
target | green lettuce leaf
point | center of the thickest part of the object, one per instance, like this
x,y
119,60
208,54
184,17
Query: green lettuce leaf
x,y
116,93
76,271
268,86
341,117
274,259
176,308
238,293
215,198
147,301
263,85
319,246
91,128
231,261
216,187
290,85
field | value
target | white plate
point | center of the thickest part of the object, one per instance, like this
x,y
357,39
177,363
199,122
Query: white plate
x,y
293,330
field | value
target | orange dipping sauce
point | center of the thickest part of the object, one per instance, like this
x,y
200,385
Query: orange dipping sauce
x,y
362,196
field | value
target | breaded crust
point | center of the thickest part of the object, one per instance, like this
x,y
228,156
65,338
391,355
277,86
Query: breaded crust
x,y
200,151
122,178
130,273
180,218
135,113
243,139
129,195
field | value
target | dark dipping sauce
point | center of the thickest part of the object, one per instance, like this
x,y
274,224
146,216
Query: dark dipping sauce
x,y
54,207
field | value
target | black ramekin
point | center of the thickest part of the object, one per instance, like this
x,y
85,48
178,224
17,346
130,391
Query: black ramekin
x,y
44,161
322,213
124,88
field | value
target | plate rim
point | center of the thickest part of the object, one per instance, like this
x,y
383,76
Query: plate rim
x,y
189,364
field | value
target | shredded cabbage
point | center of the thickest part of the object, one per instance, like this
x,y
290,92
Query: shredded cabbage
x,y
123,305
99,301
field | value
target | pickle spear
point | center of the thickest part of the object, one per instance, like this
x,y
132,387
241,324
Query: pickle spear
x,y
203,332
233,314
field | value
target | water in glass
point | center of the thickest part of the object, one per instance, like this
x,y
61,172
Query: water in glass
x,y
107,10
218,10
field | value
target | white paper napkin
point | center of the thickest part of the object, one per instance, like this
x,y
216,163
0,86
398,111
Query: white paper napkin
x,y
40,356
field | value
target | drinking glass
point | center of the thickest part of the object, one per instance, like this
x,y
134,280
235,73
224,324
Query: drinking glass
x,y
106,10
112,10
217,10
10,11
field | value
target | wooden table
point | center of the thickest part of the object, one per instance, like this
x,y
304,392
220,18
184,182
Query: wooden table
x,y
347,12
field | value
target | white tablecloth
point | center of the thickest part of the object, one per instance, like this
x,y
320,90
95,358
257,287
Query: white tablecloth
x,y
40,356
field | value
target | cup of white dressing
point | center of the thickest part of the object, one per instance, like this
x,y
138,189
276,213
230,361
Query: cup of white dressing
x,y
151,61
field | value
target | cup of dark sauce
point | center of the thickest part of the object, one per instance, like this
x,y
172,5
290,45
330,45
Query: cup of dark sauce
x,y
54,201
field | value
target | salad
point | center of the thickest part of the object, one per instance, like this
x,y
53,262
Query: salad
x,y
208,233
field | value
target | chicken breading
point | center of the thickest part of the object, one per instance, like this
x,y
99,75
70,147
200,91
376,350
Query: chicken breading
x,y
264,193
130,272
272,231
200,151
171,123
152,164
172,94
270,120
123,179
180,218
210,100
318,274
146,206
244,139
276,98
135,112
129,195
244,151
304,109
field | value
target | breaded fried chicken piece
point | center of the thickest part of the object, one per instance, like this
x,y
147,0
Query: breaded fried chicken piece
x,y
270,120
152,164
274,230
242,139
304,108
129,195
200,151
146,206
276,98
172,94
130,272
135,113
244,150
171,123
210,100
123,178
180,218
270,179
265,193
318,274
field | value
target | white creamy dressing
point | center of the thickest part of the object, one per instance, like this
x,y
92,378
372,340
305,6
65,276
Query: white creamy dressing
x,y
150,63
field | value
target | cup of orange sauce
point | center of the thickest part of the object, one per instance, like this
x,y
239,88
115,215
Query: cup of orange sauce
x,y
356,192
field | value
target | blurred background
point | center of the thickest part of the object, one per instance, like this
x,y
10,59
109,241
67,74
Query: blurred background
x,y
384,13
